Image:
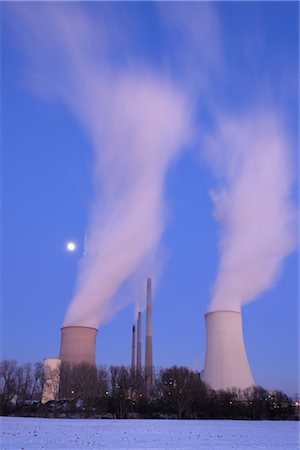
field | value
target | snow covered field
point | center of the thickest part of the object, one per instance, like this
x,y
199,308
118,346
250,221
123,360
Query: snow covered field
x,y
28,433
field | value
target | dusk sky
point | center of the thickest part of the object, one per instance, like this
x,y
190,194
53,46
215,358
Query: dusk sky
x,y
162,139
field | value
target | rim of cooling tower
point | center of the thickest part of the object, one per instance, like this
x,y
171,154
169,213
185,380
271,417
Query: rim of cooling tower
x,y
79,326
222,311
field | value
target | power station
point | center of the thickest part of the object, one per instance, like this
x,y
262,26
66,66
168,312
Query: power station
x,y
226,365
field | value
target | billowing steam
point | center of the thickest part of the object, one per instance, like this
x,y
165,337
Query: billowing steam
x,y
138,123
140,131
251,158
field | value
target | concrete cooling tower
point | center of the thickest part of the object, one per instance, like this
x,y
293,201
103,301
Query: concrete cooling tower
x,y
78,345
226,363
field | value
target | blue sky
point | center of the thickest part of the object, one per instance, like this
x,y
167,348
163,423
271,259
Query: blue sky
x,y
247,57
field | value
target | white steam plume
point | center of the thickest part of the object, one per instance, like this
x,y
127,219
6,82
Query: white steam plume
x,y
138,123
252,160
144,128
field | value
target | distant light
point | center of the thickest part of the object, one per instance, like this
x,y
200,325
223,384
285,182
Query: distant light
x,y
71,246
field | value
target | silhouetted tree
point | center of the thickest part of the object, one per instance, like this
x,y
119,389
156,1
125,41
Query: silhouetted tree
x,y
121,391
51,383
38,381
102,382
24,380
280,405
199,405
175,388
8,383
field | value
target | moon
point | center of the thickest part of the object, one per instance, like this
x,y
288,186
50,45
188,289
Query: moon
x,y
71,246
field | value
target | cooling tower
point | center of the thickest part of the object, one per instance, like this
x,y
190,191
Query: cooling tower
x,y
52,376
78,345
226,363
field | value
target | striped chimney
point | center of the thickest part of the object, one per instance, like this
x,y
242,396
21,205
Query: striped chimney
x,y
139,343
148,353
133,350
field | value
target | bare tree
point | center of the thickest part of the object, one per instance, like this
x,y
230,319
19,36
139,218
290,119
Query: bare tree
x,y
38,382
102,381
51,384
121,390
25,381
67,388
8,383
175,388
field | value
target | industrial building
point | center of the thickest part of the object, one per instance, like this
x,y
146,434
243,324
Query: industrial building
x,y
226,364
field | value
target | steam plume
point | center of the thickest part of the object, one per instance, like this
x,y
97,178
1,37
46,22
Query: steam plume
x,y
251,158
145,126
137,122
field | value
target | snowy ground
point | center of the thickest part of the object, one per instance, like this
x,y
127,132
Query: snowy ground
x,y
28,433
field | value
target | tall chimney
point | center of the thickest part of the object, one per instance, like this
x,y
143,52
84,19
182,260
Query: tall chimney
x,y
148,353
139,343
133,350
226,363
78,345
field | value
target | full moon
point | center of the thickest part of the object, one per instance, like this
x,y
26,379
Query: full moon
x,y
71,246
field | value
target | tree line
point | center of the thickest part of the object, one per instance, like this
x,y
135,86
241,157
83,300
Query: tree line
x,y
118,392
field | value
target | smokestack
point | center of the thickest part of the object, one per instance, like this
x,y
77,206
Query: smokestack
x,y
139,343
133,350
148,353
78,345
226,363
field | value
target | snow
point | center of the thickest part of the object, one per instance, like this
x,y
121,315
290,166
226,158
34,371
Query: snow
x,y
33,433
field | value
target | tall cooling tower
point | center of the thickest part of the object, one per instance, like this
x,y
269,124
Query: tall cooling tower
x,y
226,363
78,345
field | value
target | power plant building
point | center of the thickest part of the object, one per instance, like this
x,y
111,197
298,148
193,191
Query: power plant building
x,y
226,363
